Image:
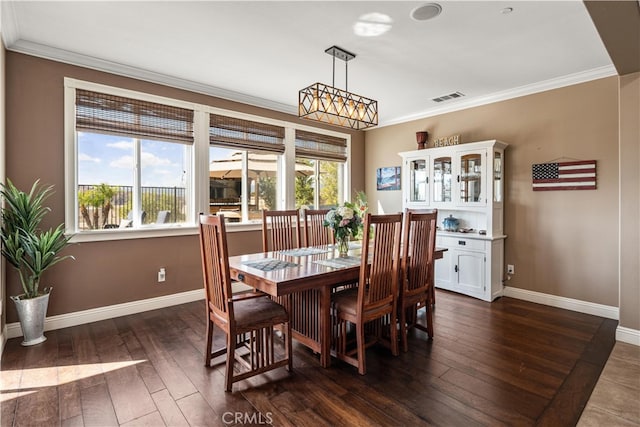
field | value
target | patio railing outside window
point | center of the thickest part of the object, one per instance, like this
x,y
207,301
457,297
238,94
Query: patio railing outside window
x,y
111,213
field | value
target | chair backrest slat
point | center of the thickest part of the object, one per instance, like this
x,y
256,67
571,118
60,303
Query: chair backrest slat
x,y
419,236
379,281
280,230
314,230
215,265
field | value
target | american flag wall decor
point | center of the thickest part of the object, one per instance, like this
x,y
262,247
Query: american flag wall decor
x,y
576,175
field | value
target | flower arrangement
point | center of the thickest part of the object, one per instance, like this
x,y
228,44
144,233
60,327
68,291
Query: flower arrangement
x,y
345,222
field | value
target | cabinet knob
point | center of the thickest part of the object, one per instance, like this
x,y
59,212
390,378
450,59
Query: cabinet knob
x,y
455,268
462,242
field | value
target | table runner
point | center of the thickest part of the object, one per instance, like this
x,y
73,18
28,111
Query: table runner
x,y
270,264
304,251
348,261
353,244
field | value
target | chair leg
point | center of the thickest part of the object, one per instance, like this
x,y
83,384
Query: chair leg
x,y
362,366
289,347
403,329
231,357
394,334
432,294
207,351
429,315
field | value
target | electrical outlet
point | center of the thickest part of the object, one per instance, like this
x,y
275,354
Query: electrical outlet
x,y
162,275
511,269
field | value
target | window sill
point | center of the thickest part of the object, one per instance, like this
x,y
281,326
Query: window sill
x,y
126,234
141,233
233,227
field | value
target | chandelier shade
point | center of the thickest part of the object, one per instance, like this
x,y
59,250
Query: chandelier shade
x,y
335,106
328,104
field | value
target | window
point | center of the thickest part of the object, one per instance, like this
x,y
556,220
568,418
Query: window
x,y
133,163
320,164
244,167
139,165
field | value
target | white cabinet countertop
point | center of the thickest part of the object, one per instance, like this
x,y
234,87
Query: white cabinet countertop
x,y
469,235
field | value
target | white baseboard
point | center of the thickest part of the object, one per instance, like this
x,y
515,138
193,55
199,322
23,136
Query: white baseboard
x,y
630,336
606,311
96,314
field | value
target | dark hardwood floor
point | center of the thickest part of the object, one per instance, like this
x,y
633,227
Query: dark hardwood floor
x,y
506,363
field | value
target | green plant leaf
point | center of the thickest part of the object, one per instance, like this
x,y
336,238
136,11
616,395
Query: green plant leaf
x,y
28,249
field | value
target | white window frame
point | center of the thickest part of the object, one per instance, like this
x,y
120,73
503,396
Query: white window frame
x,y
282,167
198,189
344,172
286,187
71,168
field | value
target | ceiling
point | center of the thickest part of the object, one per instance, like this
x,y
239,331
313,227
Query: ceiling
x,y
264,52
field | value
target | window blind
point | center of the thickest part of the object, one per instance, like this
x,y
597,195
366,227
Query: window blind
x,y
104,113
243,134
313,145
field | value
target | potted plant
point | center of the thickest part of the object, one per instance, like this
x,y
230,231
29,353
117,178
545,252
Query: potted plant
x,y
31,251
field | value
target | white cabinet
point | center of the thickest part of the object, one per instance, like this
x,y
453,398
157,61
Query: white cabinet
x,y
471,265
465,181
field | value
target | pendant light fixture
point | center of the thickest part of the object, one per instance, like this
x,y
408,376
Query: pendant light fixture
x,y
335,106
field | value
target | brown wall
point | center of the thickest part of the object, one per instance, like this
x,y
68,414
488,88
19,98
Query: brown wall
x,y
630,201
105,273
562,243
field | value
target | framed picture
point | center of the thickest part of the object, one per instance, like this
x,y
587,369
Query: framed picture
x,y
388,178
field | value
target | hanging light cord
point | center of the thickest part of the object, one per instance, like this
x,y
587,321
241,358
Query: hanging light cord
x,y
333,80
346,74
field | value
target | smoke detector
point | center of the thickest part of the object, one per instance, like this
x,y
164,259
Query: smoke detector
x,y
426,11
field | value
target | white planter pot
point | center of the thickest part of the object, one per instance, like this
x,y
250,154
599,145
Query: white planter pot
x,y
31,313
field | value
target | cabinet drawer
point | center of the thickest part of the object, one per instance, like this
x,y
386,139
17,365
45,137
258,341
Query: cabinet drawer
x,y
460,242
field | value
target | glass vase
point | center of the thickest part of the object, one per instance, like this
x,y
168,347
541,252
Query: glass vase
x,y
342,243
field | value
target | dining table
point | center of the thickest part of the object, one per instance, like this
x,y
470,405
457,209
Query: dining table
x,y
303,279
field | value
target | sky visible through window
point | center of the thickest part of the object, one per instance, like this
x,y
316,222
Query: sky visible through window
x,y
110,159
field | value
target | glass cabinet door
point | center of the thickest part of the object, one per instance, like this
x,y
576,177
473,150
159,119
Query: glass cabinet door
x,y
442,179
418,180
497,176
470,178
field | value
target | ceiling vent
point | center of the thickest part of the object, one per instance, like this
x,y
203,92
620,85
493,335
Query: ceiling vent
x,y
453,95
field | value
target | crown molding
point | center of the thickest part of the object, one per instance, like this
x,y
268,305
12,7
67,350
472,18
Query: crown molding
x,y
10,32
72,58
9,23
556,83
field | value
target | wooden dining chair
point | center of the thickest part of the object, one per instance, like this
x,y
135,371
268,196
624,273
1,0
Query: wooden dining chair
x,y
419,237
376,294
280,230
315,233
248,320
